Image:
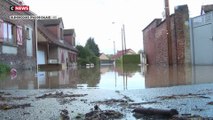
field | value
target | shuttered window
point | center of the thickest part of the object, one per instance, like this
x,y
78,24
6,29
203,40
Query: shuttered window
x,y
19,35
1,30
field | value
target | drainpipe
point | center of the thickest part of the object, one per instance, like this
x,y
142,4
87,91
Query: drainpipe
x,y
36,45
168,28
36,51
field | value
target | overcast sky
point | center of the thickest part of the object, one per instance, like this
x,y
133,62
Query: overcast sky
x,y
93,18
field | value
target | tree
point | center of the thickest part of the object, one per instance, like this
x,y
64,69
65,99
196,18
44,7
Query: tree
x,y
86,56
90,44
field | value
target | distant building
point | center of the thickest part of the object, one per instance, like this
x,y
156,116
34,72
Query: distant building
x,y
105,60
119,54
17,38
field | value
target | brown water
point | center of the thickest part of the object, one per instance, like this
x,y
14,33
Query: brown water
x,y
109,77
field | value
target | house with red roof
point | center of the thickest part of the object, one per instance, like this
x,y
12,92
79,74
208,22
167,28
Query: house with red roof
x,y
119,54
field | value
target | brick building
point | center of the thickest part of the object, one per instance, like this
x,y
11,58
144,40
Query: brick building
x,y
155,39
56,45
17,38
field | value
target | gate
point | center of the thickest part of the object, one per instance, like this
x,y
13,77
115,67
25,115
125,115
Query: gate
x,y
202,39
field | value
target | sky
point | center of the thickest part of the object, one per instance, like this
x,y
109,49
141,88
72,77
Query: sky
x,y
103,19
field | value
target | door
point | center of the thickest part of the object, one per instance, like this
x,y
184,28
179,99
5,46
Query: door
x,y
203,44
40,57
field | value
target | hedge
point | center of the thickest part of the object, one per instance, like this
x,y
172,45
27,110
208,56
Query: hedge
x,y
131,59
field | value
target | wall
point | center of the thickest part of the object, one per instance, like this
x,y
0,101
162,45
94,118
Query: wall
x,y
68,38
149,39
156,40
54,30
19,58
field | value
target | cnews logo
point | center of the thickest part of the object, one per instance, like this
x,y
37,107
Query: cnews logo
x,y
19,8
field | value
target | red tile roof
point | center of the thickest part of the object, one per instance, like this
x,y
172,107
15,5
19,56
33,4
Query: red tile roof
x,y
120,53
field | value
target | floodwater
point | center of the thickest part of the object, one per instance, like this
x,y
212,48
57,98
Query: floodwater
x,y
109,77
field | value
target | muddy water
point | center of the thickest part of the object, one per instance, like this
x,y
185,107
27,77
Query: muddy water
x,y
109,77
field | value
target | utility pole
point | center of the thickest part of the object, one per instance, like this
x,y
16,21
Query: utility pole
x,y
124,37
114,46
168,29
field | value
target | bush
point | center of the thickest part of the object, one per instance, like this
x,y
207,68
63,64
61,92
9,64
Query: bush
x,y
4,68
131,59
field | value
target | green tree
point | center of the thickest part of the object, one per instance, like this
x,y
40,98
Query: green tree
x,y
92,46
86,56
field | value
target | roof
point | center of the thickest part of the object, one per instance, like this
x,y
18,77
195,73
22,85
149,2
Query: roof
x,y
52,39
103,57
207,8
157,20
69,31
121,53
51,22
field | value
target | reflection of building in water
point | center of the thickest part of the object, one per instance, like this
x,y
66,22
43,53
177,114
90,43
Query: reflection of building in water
x,y
159,76
59,79
202,74
24,80
128,70
106,68
91,76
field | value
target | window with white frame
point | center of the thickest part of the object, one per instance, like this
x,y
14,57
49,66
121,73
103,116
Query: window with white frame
x,y
8,33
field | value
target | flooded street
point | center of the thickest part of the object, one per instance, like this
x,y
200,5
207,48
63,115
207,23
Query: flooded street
x,y
76,93
109,77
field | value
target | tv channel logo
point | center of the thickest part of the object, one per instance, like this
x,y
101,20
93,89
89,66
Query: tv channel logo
x,y
19,8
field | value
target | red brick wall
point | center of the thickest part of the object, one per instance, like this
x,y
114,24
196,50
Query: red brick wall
x,y
181,33
21,60
68,38
156,42
54,30
149,39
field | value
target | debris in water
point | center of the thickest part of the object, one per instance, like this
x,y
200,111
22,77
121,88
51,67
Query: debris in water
x,y
210,103
60,95
190,95
103,115
13,106
155,112
64,115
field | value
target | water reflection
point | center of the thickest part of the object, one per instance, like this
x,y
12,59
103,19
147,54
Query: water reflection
x,y
161,76
109,77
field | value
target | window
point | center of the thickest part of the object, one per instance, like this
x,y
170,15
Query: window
x,y
1,30
8,33
28,33
61,33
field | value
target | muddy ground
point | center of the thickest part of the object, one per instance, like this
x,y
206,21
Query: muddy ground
x,y
191,102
